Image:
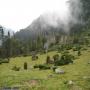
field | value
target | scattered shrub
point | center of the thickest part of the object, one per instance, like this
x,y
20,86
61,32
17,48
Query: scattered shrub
x,y
4,61
15,68
25,55
61,48
54,67
76,48
84,49
65,52
56,57
88,34
68,48
65,59
1,61
88,45
79,53
48,60
36,66
42,66
51,45
25,65
34,57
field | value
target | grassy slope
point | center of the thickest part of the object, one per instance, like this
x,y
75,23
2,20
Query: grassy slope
x,y
74,72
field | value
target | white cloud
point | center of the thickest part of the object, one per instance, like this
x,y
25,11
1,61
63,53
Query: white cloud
x,y
18,14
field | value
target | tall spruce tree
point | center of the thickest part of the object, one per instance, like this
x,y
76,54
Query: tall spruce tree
x,y
7,46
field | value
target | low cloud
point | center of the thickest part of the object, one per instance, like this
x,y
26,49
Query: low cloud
x,y
64,19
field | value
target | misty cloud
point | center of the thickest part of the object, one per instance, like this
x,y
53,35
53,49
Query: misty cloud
x,y
64,19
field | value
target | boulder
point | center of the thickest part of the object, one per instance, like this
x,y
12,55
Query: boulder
x,y
59,71
70,82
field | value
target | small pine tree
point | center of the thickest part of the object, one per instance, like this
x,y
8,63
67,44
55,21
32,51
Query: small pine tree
x,y
25,65
79,53
56,57
48,60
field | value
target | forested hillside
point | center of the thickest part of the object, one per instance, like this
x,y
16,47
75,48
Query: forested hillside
x,y
41,32
52,53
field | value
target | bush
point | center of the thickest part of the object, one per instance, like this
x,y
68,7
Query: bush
x,y
15,68
34,57
25,55
56,57
79,53
54,67
1,61
4,61
53,48
51,45
76,48
61,48
65,52
42,66
65,59
68,48
84,49
48,60
36,66
25,65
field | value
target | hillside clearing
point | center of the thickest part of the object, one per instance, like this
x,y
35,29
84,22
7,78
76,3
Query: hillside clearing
x,y
79,73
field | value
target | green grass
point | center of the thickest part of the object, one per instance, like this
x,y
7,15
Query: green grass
x,y
21,78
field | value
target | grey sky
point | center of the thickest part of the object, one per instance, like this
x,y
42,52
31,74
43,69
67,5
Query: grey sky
x,y
18,14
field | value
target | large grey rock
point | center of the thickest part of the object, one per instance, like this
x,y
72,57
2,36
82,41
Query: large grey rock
x,y
59,71
70,82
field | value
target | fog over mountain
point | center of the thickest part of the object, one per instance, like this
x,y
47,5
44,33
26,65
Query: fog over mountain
x,y
54,21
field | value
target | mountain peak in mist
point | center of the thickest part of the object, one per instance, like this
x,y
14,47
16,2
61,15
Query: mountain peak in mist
x,y
54,21
47,20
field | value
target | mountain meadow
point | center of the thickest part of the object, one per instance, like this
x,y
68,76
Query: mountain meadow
x,y
52,53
